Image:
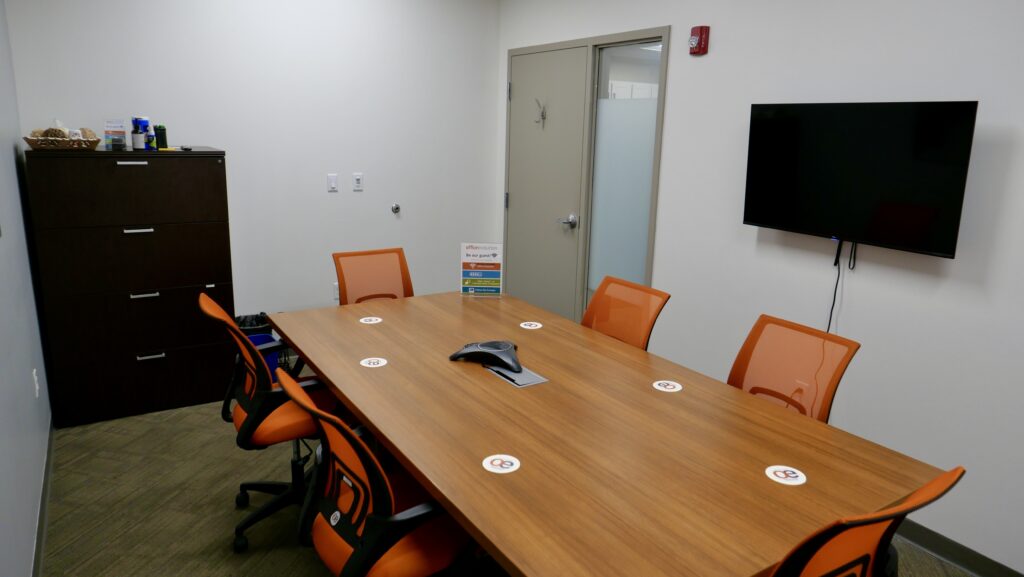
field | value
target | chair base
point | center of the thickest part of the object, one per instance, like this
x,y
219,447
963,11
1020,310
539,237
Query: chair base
x,y
285,495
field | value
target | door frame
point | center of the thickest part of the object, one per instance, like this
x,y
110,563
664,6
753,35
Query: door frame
x,y
593,45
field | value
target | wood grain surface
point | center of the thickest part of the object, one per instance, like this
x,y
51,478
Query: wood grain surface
x,y
617,478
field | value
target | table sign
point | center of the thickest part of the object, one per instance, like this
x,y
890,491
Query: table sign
x,y
786,475
501,464
481,268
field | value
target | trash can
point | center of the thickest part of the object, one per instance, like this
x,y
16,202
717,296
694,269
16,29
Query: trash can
x,y
257,328
253,324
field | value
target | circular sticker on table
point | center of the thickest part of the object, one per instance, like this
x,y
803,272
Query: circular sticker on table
x,y
373,362
501,464
371,320
786,475
667,386
531,325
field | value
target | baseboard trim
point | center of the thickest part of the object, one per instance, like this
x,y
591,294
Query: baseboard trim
x,y
37,564
953,552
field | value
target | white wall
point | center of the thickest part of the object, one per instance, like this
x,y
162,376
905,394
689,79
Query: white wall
x,y
401,90
939,373
24,419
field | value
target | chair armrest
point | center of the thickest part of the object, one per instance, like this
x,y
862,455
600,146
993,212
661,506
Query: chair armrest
x,y
416,512
403,522
382,533
790,401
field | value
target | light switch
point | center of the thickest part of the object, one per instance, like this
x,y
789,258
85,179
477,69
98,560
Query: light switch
x,y
357,182
332,182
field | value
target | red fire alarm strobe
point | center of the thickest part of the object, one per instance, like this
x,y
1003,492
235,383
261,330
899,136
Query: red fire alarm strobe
x,y
699,40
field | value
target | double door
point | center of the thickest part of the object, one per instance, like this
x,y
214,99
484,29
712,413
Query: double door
x,y
582,160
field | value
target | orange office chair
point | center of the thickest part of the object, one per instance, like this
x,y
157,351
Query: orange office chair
x,y
368,521
793,365
263,416
625,310
372,274
860,546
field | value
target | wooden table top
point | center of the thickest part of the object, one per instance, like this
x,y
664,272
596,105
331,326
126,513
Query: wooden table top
x,y
617,478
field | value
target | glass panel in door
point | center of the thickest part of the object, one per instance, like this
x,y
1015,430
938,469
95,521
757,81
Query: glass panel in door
x,y
621,218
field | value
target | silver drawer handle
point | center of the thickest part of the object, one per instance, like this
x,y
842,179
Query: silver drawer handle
x,y
133,163
144,295
150,357
138,230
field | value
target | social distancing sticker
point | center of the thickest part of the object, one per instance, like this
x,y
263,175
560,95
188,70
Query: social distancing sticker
x,y
785,475
531,325
667,386
501,464
371,320
373,362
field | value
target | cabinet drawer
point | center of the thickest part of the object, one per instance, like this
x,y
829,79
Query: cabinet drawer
x,y
140,321
122,190
160,380
111,384
130,259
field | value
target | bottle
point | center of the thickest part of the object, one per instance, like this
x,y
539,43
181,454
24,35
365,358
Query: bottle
x,y
150,138
161,136
138,137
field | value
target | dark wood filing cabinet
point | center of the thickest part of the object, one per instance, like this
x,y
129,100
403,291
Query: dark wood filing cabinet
x,y
122,244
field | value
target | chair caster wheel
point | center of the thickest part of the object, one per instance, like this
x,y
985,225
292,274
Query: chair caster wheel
x,y
242,499
241,544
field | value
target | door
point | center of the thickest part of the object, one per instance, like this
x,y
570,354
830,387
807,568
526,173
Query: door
x,y
547,120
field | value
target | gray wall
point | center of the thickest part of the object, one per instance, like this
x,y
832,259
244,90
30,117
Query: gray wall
x,y
24,419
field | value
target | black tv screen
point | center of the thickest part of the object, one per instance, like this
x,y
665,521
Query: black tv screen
x,y
890,174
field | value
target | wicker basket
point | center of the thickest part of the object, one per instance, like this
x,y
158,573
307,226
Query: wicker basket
x,y
48,143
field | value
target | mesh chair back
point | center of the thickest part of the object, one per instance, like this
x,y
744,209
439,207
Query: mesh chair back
x,y
792,365
372,274
257,374
625,310
857,546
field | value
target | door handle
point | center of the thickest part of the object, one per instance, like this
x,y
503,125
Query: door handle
x,y
133,163
150,357
570,220
138,230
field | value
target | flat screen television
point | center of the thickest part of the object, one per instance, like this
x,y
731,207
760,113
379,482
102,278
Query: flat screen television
x,y
889,174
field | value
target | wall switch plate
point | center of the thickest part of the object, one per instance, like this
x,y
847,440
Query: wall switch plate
x,y
35,379
357,182
332,182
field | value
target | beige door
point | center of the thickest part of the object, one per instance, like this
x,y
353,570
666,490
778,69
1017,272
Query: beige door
x,y
547,115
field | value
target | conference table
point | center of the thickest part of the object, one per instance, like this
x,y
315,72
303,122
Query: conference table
x,y
615,470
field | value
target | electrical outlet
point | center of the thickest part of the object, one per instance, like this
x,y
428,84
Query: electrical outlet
x,y
337,297
357,182
332,182
35,379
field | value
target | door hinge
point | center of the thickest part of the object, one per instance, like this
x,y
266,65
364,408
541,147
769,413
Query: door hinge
x,y
506,200
510,92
